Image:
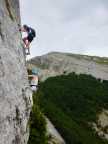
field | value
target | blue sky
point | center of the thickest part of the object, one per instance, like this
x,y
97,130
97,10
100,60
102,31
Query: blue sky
x,y
76,26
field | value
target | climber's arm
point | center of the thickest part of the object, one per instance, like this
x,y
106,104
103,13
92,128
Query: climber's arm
x,y
22,29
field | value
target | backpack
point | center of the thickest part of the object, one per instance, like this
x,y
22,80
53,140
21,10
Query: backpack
x,y
32,31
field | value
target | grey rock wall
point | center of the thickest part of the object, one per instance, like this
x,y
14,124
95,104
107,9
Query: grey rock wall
x,y
15,95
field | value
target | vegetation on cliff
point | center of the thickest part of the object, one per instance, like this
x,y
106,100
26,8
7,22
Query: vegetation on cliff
x,y
37,124
71,102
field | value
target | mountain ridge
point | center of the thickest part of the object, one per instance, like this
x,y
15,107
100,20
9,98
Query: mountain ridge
x,y
56,63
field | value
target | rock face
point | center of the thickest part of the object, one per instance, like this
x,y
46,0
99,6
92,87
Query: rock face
x,y
15,95
56,63
101,127
54,136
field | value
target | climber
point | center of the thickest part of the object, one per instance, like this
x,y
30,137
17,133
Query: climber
x,y
34,80
29,38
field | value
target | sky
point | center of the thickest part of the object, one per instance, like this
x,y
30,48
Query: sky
x,y
75,26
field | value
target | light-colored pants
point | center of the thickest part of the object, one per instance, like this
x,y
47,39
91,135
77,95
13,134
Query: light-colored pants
x,y
33,88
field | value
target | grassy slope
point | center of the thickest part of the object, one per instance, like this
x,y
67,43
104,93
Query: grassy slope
x,y
71,102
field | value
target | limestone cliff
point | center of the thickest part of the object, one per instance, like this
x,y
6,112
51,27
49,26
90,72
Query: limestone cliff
x,y
55,63
15,95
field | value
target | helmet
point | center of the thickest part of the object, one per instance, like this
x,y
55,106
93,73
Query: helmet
x,y
34,71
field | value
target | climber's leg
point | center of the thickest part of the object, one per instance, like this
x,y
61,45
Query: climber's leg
x,y
30,39
25,40
33,88
27,45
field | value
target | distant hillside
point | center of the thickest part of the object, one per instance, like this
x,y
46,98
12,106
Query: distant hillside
x,y
78,107
55,63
